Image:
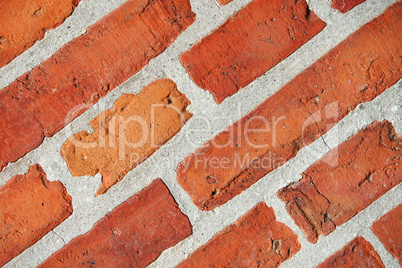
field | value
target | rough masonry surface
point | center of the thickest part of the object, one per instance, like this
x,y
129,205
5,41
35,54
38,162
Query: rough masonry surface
x,y
127,134
357,70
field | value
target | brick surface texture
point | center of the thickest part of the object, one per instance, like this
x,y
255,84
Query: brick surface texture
x,y
23,24
357,70
250,43
256,234
249,133
357,253
42,101
345,181
388,229
128,133
30,207
133,235
345,5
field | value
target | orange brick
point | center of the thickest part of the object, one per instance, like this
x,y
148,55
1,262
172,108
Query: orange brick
x,y
133,235
250,43
345,5
30,207
388,229
357,253
345,181
357,70
255,240
22,23
41,102
128,133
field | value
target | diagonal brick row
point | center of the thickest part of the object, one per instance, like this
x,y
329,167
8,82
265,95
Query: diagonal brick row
x,y
41,102
249,43
331,192
345,181
22,23
357,70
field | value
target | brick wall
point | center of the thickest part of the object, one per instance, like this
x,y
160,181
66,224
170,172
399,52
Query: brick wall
x,y
199,133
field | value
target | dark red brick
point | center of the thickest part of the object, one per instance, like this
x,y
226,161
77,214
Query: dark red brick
x,y
128,133
357,253
345,181
250,43
388,229
357,70
30,207
133,235
41,102
22,23
255,240
345,5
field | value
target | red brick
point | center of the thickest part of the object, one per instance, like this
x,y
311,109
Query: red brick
x,y
22,23
345,181
250,43
388,229
133,235
357,70
128,133
345,5
224,2
31,206
43,101
255,240
357,253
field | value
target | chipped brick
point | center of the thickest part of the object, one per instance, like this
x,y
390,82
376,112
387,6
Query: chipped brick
x,y
255,240
128,133
388,229
345,181
357,253
23,23
250,43
357,70
30,207
133,235
41,102
344,6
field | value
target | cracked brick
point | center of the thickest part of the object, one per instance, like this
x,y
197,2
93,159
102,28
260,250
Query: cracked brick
x,y
357,70
345,181
128,133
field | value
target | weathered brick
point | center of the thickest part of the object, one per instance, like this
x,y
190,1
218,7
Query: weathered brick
x,y
255,240
30,207
250,43
43,101
22,23
128,133
357,253
388,229
345,181
345,5
357,70
133,235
